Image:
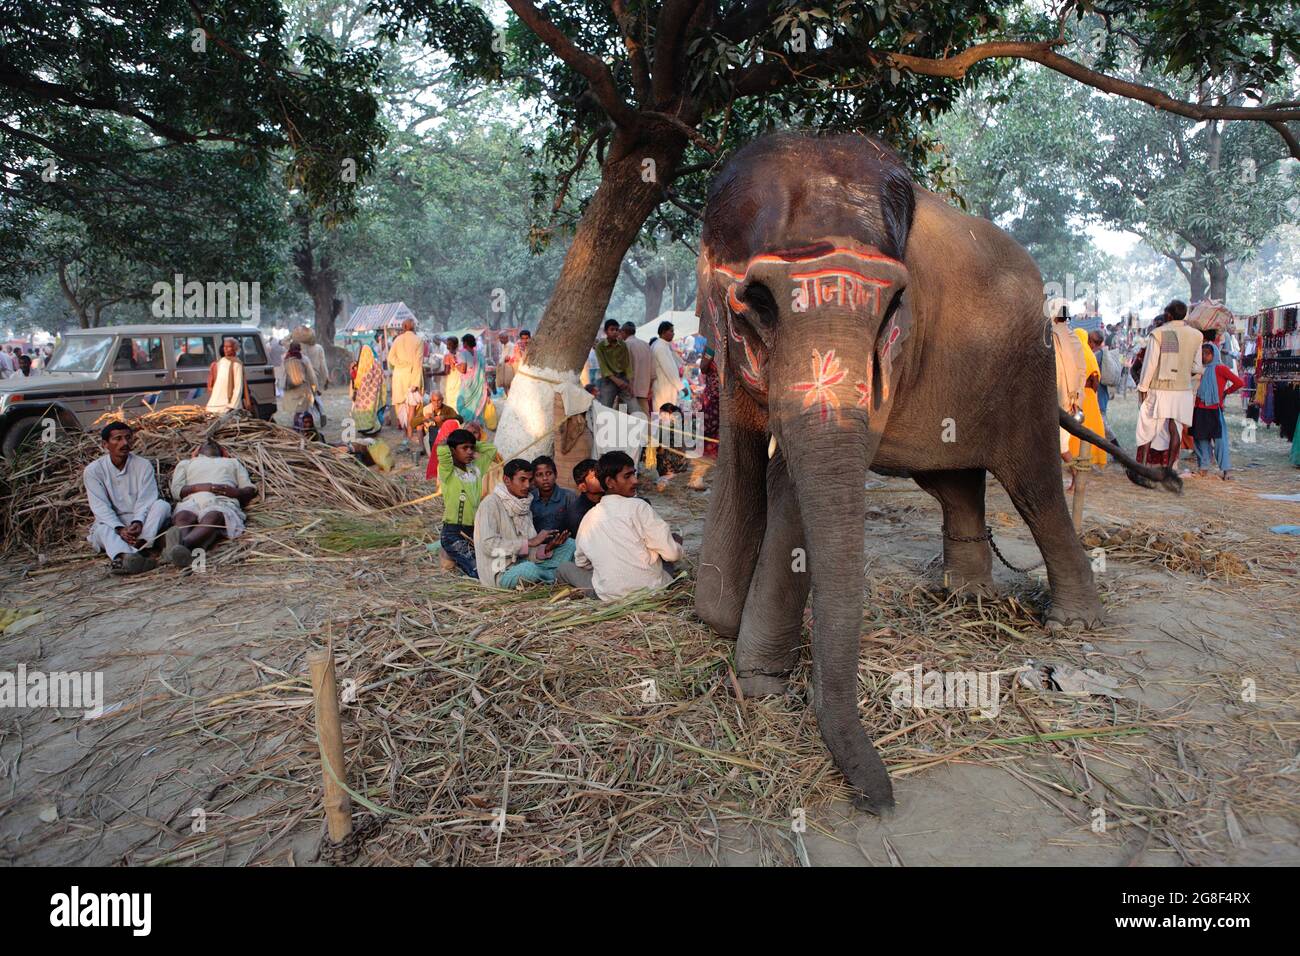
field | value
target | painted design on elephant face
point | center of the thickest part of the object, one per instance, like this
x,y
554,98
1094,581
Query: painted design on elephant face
x,y
820,390
719,343
889,347
843,287
751,368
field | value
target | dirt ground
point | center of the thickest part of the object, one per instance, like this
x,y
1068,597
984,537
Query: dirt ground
x,y
1183,644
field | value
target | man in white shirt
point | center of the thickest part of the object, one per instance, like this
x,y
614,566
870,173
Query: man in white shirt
x,y
123,493
7,366
668,369
623,546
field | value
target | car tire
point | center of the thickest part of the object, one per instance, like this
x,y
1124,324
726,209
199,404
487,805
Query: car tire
x,y
17,434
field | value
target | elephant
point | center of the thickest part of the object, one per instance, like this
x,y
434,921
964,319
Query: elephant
x,y
862,323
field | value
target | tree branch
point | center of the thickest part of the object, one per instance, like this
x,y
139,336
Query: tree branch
x,y
670,30
956,67
627,23
595,72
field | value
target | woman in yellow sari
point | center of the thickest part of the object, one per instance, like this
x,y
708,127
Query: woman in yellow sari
x,y
1091,408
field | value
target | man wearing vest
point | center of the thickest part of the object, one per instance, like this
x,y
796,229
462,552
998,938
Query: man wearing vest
x,y
1171,372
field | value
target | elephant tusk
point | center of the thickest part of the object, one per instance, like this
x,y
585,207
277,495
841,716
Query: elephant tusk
x,y
771,448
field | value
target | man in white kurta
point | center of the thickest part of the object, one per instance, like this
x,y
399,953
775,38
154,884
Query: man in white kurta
x,y
123,492
1170,374
211,489
406,362
227,384
667,369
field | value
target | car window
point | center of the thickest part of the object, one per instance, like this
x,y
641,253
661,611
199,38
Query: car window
x,y
250,349
80,353
139,352
195,351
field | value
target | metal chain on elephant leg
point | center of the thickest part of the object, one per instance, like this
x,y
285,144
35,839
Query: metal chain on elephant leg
x,y
986,536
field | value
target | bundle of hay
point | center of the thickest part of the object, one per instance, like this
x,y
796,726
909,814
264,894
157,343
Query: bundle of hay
x,y
43,503
1185,551
303,335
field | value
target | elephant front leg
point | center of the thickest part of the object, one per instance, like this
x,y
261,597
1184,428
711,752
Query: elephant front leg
x,y
768,649
733,528
967,560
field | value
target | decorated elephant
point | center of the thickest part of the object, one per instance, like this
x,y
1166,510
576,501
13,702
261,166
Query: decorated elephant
x,y
863,323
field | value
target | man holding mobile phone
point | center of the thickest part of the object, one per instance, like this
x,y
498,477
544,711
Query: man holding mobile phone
x,y
509,549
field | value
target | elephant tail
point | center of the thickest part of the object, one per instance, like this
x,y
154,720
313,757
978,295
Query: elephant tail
x,y
1148,476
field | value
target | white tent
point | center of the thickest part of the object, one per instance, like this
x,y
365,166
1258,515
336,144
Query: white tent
x,y
684,323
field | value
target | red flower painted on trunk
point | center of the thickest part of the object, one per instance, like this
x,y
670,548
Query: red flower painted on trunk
x,y
826,374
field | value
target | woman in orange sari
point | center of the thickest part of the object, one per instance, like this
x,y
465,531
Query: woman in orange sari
x,y
1091,407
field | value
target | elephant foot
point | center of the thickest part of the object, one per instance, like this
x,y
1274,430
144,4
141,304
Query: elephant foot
x,y
754,684
867,805
1085,615
972,586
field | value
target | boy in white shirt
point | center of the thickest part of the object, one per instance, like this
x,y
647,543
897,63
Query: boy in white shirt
x,y
623,546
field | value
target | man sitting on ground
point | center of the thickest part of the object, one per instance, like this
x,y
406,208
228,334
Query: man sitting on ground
x,y
462,488
212,489
509,549
554,508
586,475
623,545
123,492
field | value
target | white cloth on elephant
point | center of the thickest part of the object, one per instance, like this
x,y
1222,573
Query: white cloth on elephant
x,y
203,470
120,497
1160,406
668,375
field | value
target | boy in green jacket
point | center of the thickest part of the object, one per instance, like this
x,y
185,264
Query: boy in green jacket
x,y
462,488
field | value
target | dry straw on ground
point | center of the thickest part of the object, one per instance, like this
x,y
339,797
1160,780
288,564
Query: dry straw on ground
x,y
523,728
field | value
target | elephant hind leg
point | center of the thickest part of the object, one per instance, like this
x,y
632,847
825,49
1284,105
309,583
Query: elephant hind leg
x,y
967,561
768,648
1034,487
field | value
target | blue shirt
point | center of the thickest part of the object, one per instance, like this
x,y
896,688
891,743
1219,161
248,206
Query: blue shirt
x,y
560,513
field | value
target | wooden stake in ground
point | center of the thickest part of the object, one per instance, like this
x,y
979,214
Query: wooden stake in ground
x,y
338,806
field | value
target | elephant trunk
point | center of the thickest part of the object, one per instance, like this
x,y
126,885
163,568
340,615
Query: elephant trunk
x,y
829,465
830,381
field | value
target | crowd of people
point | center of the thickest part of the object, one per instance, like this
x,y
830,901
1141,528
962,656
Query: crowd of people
x,y
602,540
1182,375
14,361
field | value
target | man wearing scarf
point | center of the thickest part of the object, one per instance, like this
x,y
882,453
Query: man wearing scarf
x,y
1071,370
1167,391
227,384
507,548
1209,428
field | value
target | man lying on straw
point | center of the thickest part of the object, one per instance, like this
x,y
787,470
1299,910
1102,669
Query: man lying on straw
x,y
509,549
123,492
212,490
623,546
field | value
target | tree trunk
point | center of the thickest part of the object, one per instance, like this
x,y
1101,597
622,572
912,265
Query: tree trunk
x,y
1218,280
1198,282
630,189
325,306
656,280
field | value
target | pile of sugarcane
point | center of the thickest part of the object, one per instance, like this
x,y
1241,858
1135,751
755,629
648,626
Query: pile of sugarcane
x,y
43,503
